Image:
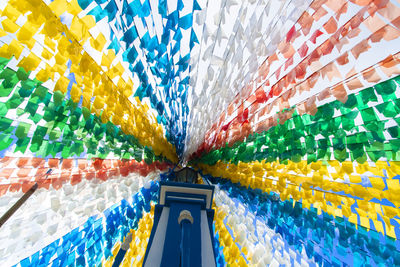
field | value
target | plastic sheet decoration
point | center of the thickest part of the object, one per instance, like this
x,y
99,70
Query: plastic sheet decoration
x,y
248,240
313,129
71,125
50,215
290,107
286,233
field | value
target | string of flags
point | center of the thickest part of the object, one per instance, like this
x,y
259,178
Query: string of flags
x,y
289,107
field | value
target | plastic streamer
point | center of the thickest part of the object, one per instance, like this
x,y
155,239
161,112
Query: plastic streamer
x,y
248,240
95,240
140,237
291,108
72,126
306,232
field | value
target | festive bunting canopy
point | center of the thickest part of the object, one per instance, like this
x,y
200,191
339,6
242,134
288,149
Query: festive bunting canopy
x,y
290,107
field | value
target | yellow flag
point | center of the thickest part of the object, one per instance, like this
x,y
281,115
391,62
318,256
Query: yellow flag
x,y
62,84
9,25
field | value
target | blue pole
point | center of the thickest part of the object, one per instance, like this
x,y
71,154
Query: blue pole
x,y
122,251
185,243
119,258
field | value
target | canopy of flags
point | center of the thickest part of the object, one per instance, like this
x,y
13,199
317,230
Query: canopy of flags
x,y
290,107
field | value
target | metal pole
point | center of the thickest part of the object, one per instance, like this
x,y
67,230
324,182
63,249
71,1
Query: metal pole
x,y
185,220
18,204
122,251
185,243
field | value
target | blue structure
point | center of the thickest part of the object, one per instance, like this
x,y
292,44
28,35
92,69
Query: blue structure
x,y
182,230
